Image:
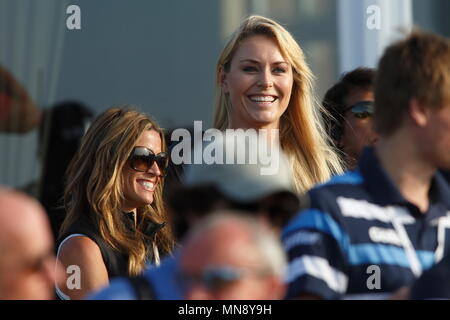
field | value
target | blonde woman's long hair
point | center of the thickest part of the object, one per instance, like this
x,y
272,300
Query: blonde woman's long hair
x,y
302,135
94,187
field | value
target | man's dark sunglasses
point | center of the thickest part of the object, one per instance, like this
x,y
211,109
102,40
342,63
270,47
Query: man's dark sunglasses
x,y
362,109
213,278
217,277
141,159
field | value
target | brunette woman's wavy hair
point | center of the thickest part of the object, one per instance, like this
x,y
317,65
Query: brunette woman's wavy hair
x,y
94,188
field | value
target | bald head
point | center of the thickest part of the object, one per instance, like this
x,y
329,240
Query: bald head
x,y
27,260
21,217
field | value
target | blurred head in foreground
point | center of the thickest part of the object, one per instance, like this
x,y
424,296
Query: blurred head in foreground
x,y
228,256
27,262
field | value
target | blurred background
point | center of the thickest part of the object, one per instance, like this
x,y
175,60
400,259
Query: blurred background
x,y
160,55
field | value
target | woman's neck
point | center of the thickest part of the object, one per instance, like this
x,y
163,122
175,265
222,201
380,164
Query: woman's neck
x,y
237,123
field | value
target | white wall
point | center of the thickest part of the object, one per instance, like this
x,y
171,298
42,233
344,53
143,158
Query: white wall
x,y
361,40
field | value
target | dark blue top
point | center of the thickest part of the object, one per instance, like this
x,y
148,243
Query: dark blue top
x,y
345,243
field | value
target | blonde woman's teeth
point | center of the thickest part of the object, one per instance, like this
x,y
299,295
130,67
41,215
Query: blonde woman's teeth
x,y
262,98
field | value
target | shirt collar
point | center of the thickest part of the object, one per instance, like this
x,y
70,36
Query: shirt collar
x,y
150,227
441,189
385,192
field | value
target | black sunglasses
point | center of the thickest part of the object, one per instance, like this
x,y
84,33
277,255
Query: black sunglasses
x,y
362,109
141,159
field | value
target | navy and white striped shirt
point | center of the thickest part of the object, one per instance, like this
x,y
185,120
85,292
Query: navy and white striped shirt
x,y
360,219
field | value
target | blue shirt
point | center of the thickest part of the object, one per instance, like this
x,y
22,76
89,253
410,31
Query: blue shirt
x,y
162,279
349,241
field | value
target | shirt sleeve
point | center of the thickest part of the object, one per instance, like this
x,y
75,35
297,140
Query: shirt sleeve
x,y
316,246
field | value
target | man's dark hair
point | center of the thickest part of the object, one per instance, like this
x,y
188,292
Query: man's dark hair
x,y
415,67
333,102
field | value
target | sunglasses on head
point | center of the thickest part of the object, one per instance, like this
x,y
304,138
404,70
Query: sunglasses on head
x,y
362,109
141,159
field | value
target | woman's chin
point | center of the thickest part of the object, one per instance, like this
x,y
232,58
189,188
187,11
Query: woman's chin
x,y
148,201
265,122
264,119
143,201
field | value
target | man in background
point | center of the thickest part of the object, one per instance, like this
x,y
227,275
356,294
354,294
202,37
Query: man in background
x,y
389,217
350,107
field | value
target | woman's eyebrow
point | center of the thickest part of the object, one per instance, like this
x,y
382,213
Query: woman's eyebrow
x,y
257,62
249,60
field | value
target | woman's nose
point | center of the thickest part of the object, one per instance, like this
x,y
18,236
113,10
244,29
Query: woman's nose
x,y
265,79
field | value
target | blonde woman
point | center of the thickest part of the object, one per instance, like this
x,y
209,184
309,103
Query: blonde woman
x,y
264,82
115,220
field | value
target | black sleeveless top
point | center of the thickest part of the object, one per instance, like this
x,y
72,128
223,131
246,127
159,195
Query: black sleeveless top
x,y
115,261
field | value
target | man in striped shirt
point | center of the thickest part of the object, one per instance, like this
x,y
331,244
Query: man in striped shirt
x,y
373,231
